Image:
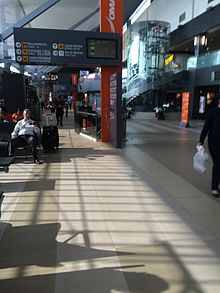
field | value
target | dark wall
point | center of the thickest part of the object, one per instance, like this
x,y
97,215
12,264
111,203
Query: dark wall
x,y
13,91
203,76
200,24
64,78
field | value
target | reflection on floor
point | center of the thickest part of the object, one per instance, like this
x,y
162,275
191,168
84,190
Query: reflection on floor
x,y
94,219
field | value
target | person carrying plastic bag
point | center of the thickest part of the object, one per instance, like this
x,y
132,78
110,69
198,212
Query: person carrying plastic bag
x,y
212,129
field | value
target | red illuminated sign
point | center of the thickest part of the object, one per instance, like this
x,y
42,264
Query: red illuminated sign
x,y
185,107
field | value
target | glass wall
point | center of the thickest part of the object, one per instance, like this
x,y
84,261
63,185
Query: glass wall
x,y
147,42
208,59
205,60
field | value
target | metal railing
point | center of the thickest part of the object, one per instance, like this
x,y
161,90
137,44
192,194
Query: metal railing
x,y
88,123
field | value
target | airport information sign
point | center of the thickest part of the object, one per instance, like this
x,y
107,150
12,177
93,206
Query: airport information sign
x,y
105,49
66,47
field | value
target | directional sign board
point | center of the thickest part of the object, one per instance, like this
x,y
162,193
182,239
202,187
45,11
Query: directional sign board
x,y
66,47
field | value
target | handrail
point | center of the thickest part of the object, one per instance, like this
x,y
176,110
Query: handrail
x,y
88,123
87,113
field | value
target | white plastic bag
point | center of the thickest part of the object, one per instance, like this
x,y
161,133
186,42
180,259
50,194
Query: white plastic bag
x,y
200,159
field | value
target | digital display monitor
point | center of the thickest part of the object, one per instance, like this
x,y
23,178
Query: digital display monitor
x,y
102,48
64,47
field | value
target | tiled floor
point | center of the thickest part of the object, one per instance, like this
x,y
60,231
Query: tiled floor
x,y
94,219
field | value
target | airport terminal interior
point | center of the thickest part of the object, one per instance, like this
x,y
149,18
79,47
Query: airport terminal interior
x,y
106,187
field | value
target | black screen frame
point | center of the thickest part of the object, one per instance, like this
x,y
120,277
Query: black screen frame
x,y
102,57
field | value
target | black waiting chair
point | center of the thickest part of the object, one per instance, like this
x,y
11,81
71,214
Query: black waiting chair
x,y
5,163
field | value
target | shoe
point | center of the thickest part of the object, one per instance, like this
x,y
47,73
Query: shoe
x,y
37,161
215,193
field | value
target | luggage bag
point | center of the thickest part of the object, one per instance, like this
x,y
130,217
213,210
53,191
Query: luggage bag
x,y
50,138
4,148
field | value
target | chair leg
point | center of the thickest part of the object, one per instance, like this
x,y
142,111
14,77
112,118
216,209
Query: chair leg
x,y
29,150
1,199
26,152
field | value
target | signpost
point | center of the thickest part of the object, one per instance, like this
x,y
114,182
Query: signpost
x,y
64,47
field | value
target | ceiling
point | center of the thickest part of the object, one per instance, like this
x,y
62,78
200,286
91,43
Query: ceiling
x,y
64,14
68,13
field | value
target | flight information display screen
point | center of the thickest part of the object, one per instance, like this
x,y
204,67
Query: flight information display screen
x,y
102,48
66,47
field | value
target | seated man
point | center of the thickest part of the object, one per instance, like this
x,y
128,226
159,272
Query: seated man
x,y
26,132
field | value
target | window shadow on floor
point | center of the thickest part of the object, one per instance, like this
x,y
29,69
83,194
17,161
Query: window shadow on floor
x,y
23,246
34,249
105,280
36,245
33,185
67,154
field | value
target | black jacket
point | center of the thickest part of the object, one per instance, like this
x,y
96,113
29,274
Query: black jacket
x,y
211,126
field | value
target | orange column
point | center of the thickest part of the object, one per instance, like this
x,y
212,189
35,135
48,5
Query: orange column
x,y
111,20
185,109
75,88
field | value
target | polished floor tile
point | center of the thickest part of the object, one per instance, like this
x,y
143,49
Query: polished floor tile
x,y
97,219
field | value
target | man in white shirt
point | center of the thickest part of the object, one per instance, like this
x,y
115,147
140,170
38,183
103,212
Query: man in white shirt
x,y
25,132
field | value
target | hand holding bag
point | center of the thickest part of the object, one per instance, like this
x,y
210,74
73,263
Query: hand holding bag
x,y
200,159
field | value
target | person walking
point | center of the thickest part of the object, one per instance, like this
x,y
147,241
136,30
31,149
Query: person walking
x,y
42,101
212,129
59,111
66,107
70,100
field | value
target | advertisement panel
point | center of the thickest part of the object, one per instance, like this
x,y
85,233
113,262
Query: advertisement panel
x,y
202,101
185,109
115,109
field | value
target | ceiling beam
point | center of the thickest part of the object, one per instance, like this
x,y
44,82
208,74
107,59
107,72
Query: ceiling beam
x,y
23,10
76,25
28,18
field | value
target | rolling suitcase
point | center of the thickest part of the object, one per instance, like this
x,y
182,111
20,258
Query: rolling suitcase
x,y
4,148
50,138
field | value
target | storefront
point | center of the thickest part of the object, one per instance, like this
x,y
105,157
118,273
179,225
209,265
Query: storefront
x,y
204,100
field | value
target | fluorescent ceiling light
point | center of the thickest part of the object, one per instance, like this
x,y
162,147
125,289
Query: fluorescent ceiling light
x,y
125,27
124,73
91,76
14,69
136,38
27,73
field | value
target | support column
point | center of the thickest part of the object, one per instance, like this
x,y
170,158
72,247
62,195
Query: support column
x,y
111,20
